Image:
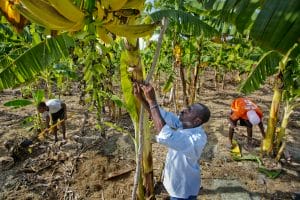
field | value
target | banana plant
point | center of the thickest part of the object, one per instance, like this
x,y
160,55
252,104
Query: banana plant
x,y
271,63
273,25
34,121
291,97
131,69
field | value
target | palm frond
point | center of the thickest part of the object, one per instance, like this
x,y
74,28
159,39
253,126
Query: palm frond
x,y
266,66
33,61
187,23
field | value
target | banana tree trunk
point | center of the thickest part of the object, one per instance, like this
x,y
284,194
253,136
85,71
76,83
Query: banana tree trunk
x,y
267,144
183,82
147,151
130,68
280,144
194,83
281,137
196,73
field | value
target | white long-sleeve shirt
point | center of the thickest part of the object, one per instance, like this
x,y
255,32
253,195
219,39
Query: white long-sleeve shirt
x,y
182,169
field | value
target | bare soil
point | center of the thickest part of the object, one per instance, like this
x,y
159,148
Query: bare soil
x,y
96,164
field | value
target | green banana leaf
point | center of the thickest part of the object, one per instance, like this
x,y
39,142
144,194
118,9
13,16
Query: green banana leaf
x,y
34,60
169,84
278,25
18,103
117,100
187,23
249,157
266,66
270,173
274,24
127,86
38,96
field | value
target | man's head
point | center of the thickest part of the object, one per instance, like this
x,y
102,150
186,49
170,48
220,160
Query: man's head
x,y
194,115
42,107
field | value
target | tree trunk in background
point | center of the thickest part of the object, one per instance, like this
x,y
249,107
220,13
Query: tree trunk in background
x,y
194,75
183,82
194,83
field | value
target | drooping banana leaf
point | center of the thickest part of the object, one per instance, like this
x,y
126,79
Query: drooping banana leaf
x,y
278,25
34,60
274,24
266,66
127,87
186,22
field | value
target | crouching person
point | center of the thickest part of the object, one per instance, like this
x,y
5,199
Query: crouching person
x,y
52,110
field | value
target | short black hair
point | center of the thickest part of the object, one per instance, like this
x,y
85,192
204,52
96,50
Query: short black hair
x,y
42,104
205,113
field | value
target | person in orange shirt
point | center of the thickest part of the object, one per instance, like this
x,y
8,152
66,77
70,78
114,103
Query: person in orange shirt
x,y
248,114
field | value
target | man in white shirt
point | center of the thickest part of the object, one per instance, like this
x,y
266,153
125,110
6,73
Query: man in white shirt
x,y
56,109
185,139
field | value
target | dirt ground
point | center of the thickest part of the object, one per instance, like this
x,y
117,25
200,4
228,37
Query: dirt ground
x,y
101,165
